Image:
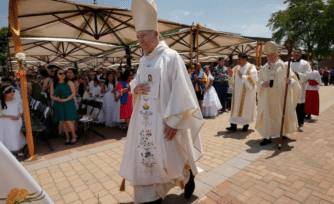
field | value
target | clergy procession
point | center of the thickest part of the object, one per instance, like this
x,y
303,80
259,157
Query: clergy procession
x,y
195,115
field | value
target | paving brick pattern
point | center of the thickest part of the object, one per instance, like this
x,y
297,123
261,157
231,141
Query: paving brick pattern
x,y
236,169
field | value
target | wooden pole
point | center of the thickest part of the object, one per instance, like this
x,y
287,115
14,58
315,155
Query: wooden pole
x,y
289,47
257,54
15,30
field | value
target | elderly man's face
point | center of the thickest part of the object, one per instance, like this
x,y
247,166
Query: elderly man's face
x,y
272,58
147,40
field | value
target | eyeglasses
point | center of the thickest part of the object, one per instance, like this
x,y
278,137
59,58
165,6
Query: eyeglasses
x,y
61,74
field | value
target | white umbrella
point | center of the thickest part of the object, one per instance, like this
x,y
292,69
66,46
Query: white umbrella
x,y
74,20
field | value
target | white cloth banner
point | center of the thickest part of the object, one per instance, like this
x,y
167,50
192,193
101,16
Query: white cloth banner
x,y
16,184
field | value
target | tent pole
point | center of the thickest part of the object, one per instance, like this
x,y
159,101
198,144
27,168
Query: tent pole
x,y
128,55
194,43
15,30
191,49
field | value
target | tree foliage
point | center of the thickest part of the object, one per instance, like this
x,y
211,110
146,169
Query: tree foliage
x,y
309,23
3,45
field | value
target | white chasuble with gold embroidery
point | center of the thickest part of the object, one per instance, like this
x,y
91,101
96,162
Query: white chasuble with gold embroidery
x,y
148,158
243,110
271,101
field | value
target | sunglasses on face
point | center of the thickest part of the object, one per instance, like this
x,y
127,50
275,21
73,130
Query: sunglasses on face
x,y
61,74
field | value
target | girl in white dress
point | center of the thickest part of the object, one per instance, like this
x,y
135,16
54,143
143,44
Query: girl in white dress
x,y
109,104
95,94
211,102
11,121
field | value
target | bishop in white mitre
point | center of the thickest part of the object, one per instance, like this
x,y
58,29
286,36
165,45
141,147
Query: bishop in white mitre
x,y
243,79
302,70
163,140
271,92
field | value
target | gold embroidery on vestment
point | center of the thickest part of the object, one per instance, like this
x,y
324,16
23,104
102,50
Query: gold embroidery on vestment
x,y
234,75
244,91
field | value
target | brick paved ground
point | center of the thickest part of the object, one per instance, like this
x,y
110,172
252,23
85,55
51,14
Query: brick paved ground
x,y
236,169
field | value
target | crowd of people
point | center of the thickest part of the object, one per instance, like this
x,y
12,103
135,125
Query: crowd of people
x,y
258,93
327,76
163,141
63,91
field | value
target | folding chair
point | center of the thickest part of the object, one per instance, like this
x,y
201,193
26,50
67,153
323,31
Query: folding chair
x,y
90,124
40,125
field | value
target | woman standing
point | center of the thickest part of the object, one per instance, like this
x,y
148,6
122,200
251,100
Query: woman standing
x,y
123,89
45,80
111,115
35,90
92,77
63,92
11,121
211,102
104,75
72,76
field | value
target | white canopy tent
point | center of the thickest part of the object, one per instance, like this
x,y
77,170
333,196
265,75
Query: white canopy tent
x,y
74,20
56,49
207,39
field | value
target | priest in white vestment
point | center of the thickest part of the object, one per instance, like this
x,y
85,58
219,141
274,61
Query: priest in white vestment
x,y
163,140
16,184
243,79
302,70
271,92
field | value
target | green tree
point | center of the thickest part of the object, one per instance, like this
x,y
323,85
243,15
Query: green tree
x,y
3,46
308,23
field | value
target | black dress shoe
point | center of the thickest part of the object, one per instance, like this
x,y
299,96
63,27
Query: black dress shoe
x,y
232,128
265,142
190,186
284,137
301,125
245,128
67,143
155,202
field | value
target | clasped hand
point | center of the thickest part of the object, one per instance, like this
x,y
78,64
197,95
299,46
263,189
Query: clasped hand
x,y
265,84
60,100
143,89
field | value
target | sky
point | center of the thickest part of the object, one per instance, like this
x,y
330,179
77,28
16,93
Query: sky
x,y
245,17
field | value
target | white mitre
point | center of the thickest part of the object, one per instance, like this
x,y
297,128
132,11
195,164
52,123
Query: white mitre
x,y
145,15
270,48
